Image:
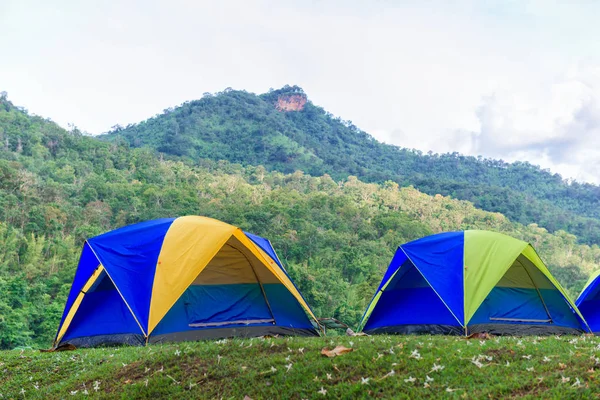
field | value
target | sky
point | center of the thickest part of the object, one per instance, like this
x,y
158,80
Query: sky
x,y
511,80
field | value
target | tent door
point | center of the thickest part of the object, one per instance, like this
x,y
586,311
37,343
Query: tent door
x,y
229,291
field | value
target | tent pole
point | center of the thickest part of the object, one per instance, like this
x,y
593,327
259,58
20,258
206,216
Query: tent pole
x,y
262,289
538,291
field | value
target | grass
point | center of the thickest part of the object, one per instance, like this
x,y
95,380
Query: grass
x,y
293,368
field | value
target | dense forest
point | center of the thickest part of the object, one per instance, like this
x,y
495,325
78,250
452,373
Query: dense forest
x,y
335,234
250,129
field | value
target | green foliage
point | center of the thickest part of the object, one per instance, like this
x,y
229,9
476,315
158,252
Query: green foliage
x,y
336,238
245,128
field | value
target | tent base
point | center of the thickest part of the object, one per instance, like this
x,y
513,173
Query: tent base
x,y
492,329
239,332
129,339
424,329
523,329
200,334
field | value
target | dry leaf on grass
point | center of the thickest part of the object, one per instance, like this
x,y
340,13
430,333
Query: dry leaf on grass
x,y
337,351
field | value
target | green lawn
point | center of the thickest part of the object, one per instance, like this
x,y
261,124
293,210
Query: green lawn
x,y
281,368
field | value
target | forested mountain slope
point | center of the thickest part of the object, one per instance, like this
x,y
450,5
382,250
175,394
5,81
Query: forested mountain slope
x,y
335,237
283,131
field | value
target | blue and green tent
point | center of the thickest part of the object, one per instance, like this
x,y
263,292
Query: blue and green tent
x,y
588,302
177,279
467,282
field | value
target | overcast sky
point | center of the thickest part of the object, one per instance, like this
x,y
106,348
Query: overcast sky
x,y
516,80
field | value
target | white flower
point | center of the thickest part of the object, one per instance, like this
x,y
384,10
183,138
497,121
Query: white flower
x,y
288,367
428,378
177,352
576,383
329,377
437,367
301,350
74,392
322,391
364,381
527,357
415,354
564,379
530,369
507,364
410,379
219,358
546,359
273,369
351,343
287,358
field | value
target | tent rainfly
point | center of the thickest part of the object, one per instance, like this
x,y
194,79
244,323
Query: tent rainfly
x,y
468,282
179,279
588,302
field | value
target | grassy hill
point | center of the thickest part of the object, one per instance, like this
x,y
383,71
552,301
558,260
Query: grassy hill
x,y
282,130
293,368
336,237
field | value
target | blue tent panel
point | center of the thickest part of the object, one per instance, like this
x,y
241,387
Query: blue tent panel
x,y
102,312
265,246
440,258
409,300
590,309
506,305
129,255
87,265
201,304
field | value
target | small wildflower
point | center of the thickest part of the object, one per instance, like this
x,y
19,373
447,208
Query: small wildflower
x,y
316,379
177,352
323,391
577,383
564,379
530,369
428,378
74,392
527,357
436,368
273,369
410,379
301,350
329,377
546,359
364,381
288,367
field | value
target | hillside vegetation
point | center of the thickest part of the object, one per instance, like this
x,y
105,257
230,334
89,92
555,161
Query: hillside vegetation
x,y
387,367
283,131
336,237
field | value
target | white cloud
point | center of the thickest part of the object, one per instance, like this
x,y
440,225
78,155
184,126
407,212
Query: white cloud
x,y
464,75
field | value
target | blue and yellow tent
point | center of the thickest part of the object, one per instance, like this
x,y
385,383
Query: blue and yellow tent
x,y
180,279
588,302
467,282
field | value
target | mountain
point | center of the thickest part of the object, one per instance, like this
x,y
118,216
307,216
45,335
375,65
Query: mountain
x,y
283,131
335,237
